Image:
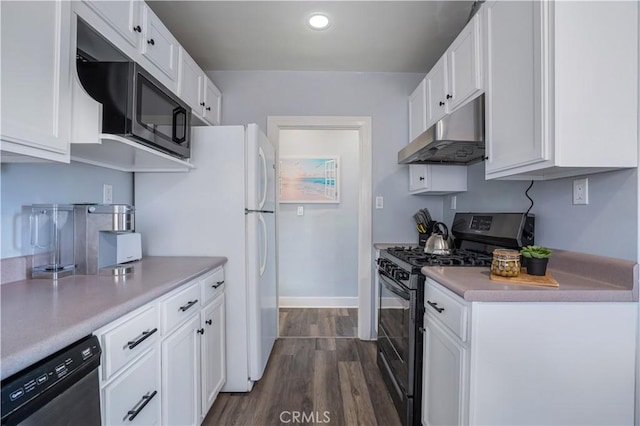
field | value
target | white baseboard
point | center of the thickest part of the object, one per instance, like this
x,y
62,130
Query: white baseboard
x,y
318,302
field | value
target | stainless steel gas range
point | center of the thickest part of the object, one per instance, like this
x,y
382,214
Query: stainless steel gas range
x,y
401,296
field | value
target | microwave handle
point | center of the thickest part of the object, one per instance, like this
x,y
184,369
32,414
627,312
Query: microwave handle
x,y
174,136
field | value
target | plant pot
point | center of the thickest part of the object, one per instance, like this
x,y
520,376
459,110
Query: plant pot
x,y
537,266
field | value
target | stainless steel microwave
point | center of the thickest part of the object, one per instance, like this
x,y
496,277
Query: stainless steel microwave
x,y
137,106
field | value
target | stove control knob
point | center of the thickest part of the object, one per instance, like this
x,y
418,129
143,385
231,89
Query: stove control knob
x,y
403,275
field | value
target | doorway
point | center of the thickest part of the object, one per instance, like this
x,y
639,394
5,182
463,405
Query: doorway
x,y
361,126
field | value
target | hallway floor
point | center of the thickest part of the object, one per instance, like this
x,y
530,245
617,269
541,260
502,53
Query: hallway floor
x,y
318,322
320,380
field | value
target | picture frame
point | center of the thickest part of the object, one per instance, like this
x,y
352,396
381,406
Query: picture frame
x,y
309,179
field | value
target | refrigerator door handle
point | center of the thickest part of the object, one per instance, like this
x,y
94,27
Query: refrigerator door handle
x,y
247,211
265,183
263,261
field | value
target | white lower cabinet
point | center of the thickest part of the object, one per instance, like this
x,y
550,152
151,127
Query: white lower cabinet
x,y
506,363
180,371
164,363
133,398
213,372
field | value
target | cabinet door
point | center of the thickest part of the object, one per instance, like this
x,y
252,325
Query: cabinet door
x,y
133,398
464,59
159,45
418,111
212,102
418,179
513,79
181,375
444,376
191,83
436,91
36,78
214,370
121,15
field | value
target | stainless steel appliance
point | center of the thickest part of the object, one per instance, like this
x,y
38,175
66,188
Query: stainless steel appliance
x,y
401,296
137,106
62,389
458,138
96,226
51,235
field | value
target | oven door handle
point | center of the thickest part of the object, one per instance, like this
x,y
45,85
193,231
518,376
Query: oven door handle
x,y
393,287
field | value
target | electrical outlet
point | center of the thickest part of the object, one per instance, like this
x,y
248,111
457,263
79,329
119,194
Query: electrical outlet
x,y
454,202
107,194
300,210
379,202
581,191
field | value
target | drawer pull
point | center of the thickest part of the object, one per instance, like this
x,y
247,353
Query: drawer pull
x,y
188,305
145,400
145,336
434,305
209,322
218,284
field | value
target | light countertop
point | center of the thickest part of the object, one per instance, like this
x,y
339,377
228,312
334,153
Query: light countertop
x,y
581,278
40,317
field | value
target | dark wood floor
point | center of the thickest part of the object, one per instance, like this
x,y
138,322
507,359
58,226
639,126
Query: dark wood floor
x,y
324,380
318,322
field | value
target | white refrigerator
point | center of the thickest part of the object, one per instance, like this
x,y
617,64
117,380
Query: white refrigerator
x,y
223,207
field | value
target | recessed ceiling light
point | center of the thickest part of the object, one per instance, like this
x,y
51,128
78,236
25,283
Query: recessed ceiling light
x,y
318,21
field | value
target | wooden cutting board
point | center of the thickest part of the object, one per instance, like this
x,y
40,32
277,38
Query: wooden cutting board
x,y
526,279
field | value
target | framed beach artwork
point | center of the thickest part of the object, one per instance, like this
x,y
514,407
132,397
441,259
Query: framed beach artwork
x,y
309,180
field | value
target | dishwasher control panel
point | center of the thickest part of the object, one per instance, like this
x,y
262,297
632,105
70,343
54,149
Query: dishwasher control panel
x,y
55,373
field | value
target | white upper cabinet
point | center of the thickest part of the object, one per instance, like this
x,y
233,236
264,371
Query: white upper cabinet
x,y
159,45
195,88
457,76
561,82
418,111
36,80
122,16
436,179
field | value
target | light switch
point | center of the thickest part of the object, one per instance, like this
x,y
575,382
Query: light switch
x,y
300,210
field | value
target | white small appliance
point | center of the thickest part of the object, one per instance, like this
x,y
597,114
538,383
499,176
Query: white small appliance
x,y
224,207
119,247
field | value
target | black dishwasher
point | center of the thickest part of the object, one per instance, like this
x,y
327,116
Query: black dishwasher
x,y
62,389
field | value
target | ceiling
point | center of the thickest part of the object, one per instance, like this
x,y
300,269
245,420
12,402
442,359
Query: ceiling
x,y
365,36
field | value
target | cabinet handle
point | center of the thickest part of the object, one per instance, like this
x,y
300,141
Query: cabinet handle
x,y
208,108
441,103
434,305
151,42
201,103
145,336
188,305
421,178
218,284
449,96
209,322
137,29
145,400
200,331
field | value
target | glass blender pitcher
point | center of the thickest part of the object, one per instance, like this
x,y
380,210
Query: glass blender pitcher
x,y
51,229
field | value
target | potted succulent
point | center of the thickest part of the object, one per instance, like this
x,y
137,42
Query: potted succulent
x,y
536,258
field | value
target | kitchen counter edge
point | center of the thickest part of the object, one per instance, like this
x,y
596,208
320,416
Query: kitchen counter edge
x,y
20,351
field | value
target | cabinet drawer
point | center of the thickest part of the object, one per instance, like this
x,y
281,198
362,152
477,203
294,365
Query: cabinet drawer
x,y
443,306
134,397
212,286
128,340
180,306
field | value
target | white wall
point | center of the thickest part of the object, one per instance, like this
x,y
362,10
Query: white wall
x,y
607,226
251,96
25,184
319,250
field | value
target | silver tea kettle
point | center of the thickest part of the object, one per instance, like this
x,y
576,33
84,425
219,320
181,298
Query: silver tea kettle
x,y
438,242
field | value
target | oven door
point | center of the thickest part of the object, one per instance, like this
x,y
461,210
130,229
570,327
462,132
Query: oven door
x,y
160,119
395,329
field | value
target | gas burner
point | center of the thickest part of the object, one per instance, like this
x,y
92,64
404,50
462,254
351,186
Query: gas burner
x,y
415,256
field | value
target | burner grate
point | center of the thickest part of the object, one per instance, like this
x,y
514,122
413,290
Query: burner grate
x,y
415,256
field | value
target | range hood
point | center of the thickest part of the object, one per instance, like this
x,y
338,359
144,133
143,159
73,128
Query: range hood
x,y
458,138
